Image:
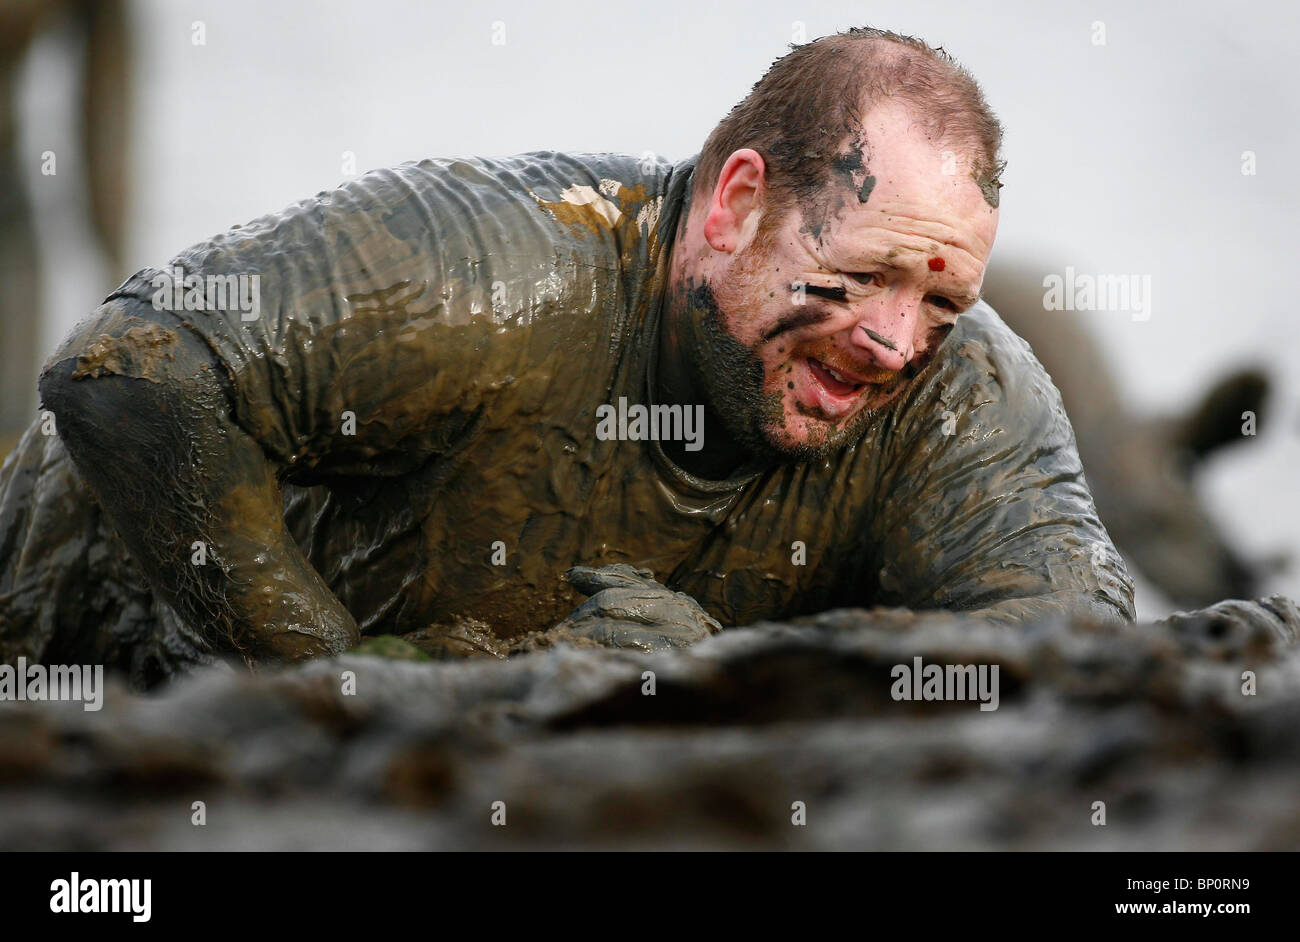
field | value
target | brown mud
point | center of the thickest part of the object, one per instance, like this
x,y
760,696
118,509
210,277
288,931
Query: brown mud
x,y
138,353
420,389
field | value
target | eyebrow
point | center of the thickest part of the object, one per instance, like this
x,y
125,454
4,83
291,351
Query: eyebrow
x,y
959,297
884,262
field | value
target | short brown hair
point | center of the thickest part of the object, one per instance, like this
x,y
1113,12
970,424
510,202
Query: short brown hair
x,y
799,113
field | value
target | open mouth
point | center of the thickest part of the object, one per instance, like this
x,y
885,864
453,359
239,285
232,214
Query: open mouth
x,y
835,383
832,393
836,394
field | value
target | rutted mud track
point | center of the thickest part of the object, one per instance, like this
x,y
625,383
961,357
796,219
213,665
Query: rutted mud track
x,y
1151,720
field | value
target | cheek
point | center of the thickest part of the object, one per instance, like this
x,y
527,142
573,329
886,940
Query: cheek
x,y
777,364
768,310
749,311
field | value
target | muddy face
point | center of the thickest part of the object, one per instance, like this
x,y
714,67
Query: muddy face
x,y
799,328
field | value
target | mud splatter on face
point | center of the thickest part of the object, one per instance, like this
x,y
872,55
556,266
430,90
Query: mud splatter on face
x,y
846,166
864,192
820,291
794,320
849,177
989,185
883,341
731,377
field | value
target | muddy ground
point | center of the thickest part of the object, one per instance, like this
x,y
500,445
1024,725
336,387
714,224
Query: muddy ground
x,y
1150,720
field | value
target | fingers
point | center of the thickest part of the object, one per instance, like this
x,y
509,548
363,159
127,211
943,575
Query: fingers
x,y
627,608
1233,620
1285,621
644,607
613,633
589,581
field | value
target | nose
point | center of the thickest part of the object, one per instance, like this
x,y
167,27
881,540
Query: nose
x,y
887,336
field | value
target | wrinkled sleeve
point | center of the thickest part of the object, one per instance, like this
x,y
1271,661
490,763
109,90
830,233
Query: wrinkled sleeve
x,y
368,305
983,505
359,332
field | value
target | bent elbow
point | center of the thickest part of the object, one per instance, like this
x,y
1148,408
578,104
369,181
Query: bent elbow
x,y
118,377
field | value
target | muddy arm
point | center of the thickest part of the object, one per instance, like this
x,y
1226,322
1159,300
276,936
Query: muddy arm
x,y
144,412
983,505
356,335
304,347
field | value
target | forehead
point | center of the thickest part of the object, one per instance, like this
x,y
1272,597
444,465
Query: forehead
x,y
898,188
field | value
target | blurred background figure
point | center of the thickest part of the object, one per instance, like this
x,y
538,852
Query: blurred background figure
x,y
92,36
1142,468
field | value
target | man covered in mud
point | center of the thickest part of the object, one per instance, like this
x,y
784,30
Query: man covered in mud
x,y
388,425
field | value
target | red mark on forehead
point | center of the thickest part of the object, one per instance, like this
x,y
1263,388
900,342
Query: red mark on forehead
x,y
937,264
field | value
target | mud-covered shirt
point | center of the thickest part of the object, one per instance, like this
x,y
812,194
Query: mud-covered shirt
x,y
429,348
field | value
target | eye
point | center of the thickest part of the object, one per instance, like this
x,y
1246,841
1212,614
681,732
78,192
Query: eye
x,y
941,302
863,277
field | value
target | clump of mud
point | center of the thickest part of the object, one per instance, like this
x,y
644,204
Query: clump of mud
x,y
1150,720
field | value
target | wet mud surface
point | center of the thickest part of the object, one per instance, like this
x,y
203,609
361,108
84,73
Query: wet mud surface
x,y
1149,719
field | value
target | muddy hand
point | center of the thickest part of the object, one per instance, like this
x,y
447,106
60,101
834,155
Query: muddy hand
x,y
628,609
1235,620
